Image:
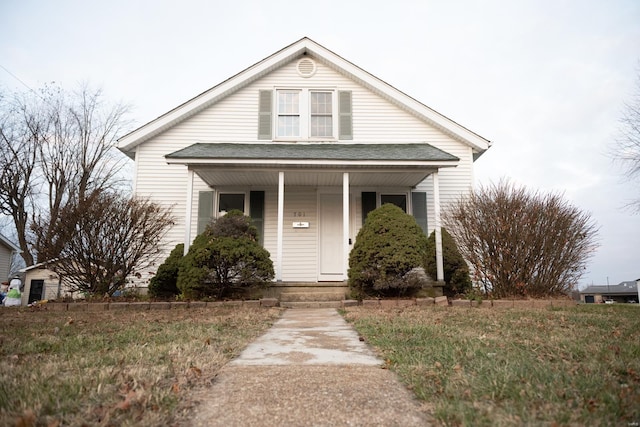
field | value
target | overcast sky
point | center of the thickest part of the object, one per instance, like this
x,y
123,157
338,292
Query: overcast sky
x,y
544,80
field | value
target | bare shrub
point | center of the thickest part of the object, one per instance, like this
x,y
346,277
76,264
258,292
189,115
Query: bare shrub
x,y
101,240
522,243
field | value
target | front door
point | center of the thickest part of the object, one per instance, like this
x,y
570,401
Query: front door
x,y
35,293
330,228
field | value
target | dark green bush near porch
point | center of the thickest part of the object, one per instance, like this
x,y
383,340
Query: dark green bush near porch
x,y
165,283
225,258
456,270
388,256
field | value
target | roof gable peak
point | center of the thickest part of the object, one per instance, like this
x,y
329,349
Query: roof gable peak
x,y
303,46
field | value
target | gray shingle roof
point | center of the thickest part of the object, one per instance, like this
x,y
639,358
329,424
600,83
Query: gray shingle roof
x,y
320,151
621,288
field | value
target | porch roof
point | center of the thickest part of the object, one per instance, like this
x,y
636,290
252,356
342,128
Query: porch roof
x,y
312,164
294,153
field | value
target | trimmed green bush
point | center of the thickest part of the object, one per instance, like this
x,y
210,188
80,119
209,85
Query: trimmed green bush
x,y
456,270
164,283
226,256
388,256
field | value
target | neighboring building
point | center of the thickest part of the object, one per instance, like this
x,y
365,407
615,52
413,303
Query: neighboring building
x,y
41,283
307,144
7,251
622,293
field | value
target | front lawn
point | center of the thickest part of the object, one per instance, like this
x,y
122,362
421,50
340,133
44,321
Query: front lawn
x,y
115,367
555,366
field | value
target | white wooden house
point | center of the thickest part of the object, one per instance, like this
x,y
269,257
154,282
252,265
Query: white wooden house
x,y
306,143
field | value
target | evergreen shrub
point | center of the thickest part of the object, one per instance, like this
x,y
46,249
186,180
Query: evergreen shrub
x,y
388,256
225,257
456,270
164,283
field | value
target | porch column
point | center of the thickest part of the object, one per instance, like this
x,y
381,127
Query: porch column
x,y
345,224
280,226
187,225
436,207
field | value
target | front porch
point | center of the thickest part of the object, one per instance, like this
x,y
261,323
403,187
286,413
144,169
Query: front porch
x,y
310,209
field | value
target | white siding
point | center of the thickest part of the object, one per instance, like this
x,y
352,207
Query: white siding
x,y
300,245
235,119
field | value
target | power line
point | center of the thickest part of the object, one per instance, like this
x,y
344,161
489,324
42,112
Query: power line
x,y
17,78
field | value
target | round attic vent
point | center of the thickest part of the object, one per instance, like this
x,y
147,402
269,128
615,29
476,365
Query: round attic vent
x,y
306,67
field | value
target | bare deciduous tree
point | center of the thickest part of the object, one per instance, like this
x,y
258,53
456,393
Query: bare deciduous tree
x,y
521,243
59,148
104,238
626,149
21,131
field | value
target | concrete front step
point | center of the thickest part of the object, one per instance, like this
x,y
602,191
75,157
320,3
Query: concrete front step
x,y
300,292
312,296
311,304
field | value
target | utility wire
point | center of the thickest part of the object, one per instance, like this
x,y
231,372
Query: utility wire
x,y
16,77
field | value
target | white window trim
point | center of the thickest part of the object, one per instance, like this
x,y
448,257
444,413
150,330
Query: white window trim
x,y
305,114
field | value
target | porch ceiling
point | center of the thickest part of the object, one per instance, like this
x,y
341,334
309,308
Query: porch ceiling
x,y
216,177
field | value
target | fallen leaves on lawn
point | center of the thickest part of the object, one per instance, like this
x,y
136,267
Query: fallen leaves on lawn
x,y
28,419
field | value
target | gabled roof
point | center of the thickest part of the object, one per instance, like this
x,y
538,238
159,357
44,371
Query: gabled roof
x,y
8,243
303,46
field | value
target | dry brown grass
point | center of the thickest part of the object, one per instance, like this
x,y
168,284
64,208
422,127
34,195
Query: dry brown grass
x,y
562,366
115,367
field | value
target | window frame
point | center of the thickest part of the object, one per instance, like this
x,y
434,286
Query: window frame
x,y
305,115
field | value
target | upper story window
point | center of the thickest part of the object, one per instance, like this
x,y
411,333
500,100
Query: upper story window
x,y
288,113
321,114
305,114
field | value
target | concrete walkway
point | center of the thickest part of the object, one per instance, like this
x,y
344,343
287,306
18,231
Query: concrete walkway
x,y
309,369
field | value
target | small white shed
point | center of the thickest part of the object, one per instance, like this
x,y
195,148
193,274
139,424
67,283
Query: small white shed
x,y
41,283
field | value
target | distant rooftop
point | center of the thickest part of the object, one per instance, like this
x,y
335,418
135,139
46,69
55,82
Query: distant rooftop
x,y
629,287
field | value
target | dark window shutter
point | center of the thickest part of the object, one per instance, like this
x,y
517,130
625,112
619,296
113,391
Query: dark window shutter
x,y
419,205
256,212
345,123
368,203
205,209
265,121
